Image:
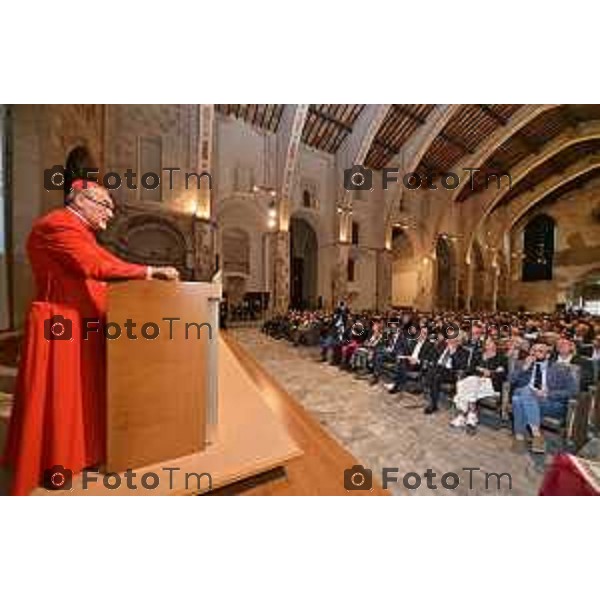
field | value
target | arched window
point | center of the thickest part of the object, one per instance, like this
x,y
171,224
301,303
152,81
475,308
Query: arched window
x,y
306,199
351,269
446,273
538,249
355,233
402,247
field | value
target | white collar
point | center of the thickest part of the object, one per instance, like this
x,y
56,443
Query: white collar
x,y
568,359
80,216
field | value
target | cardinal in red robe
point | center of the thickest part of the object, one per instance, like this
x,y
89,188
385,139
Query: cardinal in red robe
x,y
59,414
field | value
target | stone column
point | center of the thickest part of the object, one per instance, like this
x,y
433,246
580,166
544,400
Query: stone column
x,y
384,279
469,295
485,303
204,239
280,270
205,206
495,274
427,284
339,280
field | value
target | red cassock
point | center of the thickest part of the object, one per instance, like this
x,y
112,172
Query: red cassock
x,y
59,415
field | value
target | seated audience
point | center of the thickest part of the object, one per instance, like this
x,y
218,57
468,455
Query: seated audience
x,y
491,348
540,388
362,359
354,336
490,369
565,354
388,350
331,335
411,356
447,368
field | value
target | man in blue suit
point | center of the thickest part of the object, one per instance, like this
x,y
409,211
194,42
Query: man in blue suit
x,y
541,388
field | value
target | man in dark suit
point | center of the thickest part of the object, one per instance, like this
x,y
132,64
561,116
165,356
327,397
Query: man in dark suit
x,y
388,350
566,355
542,388
451,362
223,312
412,355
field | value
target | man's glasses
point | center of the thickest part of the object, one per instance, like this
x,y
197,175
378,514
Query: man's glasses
x,y
105,205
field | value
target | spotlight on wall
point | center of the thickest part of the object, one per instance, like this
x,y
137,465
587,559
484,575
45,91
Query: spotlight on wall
x,y
452,237
404,224
272,215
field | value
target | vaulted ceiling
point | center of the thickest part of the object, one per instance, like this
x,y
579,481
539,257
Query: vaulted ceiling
x,y
530,139
264,116
555,165
327,125
455,145
463,134
401,121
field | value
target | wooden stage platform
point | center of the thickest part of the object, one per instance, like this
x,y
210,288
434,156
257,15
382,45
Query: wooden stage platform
x,y
249,441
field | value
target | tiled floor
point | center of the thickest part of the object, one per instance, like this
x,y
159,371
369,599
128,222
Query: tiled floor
x,y
383,430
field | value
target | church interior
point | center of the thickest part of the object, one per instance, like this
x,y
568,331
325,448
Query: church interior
x,y
347,239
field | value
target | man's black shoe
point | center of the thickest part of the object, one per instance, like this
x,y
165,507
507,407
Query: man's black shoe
x,y
430,409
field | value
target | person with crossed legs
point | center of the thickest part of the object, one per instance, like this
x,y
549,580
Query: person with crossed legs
x,y
542,388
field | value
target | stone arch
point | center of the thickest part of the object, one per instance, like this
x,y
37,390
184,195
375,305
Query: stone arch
x,y
402,246
486,202
304,251
524,203
518,121
250,215
478,296
502,274
236,250
539,236
404,268
413,150
586,290
154,240
446,273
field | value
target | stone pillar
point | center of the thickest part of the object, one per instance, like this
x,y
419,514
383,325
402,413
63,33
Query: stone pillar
x,y
204,250
495,275
280,271
488,288
205,202
427,284
469,295
384,279
339,280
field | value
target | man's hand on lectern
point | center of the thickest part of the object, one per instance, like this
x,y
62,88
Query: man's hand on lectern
x,y
170,273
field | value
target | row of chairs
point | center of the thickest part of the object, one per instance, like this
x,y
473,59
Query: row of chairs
x,y
583,412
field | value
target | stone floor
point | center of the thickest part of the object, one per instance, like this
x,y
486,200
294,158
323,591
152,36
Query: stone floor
x,y
383,430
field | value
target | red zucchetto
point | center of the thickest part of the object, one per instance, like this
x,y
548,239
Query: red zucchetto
x,y
83,184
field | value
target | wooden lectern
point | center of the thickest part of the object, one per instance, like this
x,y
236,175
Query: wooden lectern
x,y
163,412
162,386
